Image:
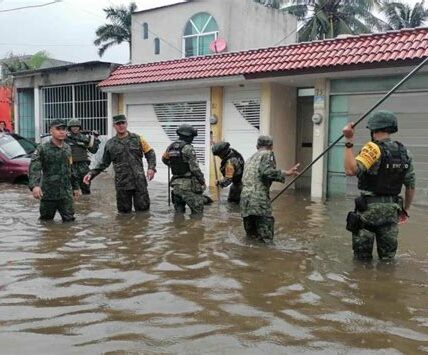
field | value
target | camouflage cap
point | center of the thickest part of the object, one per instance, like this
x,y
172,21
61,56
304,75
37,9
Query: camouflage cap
x,y
119,118
57,123
264,141
383,120
74,122
220,147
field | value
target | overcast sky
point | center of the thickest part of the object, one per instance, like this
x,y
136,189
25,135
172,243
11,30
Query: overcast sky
x,y
66,30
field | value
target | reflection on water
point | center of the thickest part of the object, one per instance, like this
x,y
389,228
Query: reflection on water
x,y
157,283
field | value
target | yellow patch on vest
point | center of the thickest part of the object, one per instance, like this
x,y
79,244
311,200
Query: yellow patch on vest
x,y
144,145
229,170
70,160
369,155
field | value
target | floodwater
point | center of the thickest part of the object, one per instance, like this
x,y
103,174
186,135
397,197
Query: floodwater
x,y
149,283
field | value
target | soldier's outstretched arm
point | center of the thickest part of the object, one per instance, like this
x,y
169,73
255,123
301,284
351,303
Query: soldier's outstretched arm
x,y
189,155
104,164
269,171
410,184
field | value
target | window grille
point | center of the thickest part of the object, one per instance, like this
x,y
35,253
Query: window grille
x,y
172,115
250,110
82,101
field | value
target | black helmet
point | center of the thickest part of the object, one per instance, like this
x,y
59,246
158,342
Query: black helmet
x,y
220,148
383,121
186,130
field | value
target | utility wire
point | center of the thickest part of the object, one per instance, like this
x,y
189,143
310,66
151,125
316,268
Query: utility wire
x,y
46,45
31,6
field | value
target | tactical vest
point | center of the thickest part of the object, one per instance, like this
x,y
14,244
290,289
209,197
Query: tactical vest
x,y
254,185
391,173
233,154
178,166
78,147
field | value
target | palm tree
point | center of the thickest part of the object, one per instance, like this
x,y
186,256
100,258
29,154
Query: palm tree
x,y
329,18
118,31
399,15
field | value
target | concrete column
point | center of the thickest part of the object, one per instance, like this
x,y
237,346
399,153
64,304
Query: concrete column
x,y
110,113
320,137
37,114
216,129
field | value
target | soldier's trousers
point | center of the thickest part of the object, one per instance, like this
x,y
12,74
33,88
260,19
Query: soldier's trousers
x,y
181,198
235,193
81,168
64,206
386,242
259,227
126,198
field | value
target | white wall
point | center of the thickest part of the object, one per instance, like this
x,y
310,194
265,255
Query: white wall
x,y
243,24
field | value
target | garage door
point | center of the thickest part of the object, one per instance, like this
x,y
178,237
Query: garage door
x,y
158,122
241,122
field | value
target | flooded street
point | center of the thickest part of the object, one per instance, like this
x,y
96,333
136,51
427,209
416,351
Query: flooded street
x,y
153,284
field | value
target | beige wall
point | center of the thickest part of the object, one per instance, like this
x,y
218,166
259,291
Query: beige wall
x,y
244,24
278,119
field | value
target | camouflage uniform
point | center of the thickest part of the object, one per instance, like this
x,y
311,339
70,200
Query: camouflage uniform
x,y
256,208
51,169
131,185
187,184
381,216
80,145
232,169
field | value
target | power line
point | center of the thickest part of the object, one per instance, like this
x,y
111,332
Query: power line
x,y
46,45
31,6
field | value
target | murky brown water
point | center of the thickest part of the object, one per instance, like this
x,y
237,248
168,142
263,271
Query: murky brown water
x,y
149,283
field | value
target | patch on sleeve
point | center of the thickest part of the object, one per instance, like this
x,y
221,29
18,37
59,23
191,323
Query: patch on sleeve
x,y
369,155
229,170
144,145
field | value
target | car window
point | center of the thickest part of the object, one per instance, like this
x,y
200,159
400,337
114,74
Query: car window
x,y
14,146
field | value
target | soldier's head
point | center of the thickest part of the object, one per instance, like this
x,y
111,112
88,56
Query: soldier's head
x,y
2,125
57,129
221,149
74,125
265,143
120,124
186,133
382,122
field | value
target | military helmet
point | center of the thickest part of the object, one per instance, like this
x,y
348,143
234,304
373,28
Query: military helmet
x,y
220,148
74,122
186,131
383,121
264,141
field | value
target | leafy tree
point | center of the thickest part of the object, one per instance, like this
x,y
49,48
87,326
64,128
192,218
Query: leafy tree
x,y
118,30
15,63
322,19
400,15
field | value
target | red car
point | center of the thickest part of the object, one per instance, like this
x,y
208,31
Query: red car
x,y
15,153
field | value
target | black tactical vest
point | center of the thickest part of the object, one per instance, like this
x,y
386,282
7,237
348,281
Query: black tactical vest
x,y
237,178
392,170
178,166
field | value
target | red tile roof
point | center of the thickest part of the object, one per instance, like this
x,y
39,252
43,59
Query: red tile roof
x,y
394,46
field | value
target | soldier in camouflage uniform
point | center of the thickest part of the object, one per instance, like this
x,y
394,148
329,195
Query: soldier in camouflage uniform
x,y
52,179
80,145
382,167
126,151
232,168
188,181
259,173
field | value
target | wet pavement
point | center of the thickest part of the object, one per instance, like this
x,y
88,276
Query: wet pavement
x,y
150,283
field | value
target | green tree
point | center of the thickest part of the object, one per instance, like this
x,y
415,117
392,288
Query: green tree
x,y
400,15
15,63
118,30
322,19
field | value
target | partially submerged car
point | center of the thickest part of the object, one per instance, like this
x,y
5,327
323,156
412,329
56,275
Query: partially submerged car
x,y
15,153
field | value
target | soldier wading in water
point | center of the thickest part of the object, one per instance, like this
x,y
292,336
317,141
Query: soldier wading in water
x,y
259,173
382,167
126,151
52,179
232,168
80,145
188,182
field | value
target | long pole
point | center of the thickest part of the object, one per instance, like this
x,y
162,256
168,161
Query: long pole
x,y
390,92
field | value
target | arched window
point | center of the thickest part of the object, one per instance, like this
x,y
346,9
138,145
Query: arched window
x,y
199,32
157,45
145,30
